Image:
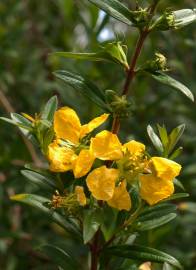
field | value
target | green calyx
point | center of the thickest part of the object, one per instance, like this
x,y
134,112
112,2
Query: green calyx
x,y
165,22
158,63
119,105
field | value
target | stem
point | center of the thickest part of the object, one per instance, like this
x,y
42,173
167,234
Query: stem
x,y
130,75
95,252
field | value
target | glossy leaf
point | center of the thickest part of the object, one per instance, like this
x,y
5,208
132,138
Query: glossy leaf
x,y
163,135
184,17
112,52
83,85
177,196
115,9
157,211
167,80
179,184
154,223
92,221
40,180
59,257
175,136
49,109
155,139
143,254
39,202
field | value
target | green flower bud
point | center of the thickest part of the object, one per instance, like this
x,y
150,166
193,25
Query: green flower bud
x,y
119,105
159,63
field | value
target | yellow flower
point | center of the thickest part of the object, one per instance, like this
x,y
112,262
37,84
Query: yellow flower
x,y
164,168
101,182
159,185
154,189
67,125
81,197
121,198
106,146
133,162
134,147
68,129
60,157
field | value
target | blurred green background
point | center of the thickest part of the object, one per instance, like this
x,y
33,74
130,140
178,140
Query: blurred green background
x,y
29,32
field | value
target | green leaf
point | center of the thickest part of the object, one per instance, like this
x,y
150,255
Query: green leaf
x,y
155,139
59,257
175,136
184,17
49,109
154,223
84,86
92,221
40,180
112,52
115,9
159,210
163,135
176,153
167,80
109,220
179,184
176,196
143,254
39,202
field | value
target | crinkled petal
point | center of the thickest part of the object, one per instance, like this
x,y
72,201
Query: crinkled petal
x,y
83,163
154,189
164,168
134,147
96,122
60,157
121,198
101,182
81,197
106,146
67,125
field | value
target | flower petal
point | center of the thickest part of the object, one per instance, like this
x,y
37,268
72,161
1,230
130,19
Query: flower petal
x,y
83,163
67,125
101,182
81,197
60,157
106,146
164,168
96,122
154,189
134,147
121,198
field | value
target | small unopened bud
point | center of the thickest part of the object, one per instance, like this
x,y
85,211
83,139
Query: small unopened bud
x,y
165,22
119,105
159,63
140,17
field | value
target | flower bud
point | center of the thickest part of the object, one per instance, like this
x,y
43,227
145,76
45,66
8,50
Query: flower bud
x,y
119,105
159,63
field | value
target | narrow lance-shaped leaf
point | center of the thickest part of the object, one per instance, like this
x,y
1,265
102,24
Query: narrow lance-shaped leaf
x,y
112,52
155,139
84,86
184,17
154,223
49,109
59,257
175,136
115,9
167,80
143,254
39,179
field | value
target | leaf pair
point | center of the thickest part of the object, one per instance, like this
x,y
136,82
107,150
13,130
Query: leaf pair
x,y
165,143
